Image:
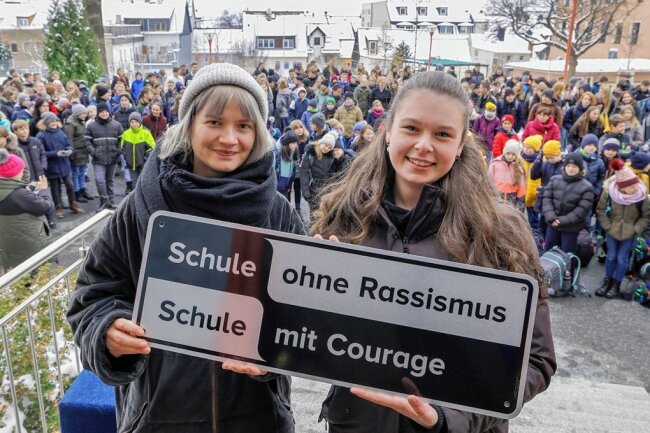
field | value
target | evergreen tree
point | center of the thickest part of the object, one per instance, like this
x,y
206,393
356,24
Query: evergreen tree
x,y
4,52
71,46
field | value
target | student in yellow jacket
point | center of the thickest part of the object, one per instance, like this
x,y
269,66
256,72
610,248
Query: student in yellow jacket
x,y
529,154
137,143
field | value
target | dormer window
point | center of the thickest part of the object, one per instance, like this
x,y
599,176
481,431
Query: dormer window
x,y
402,10
442,12
22,22
422,10
372,48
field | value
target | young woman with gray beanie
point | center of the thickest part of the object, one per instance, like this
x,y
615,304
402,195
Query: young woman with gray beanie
x,y
217,163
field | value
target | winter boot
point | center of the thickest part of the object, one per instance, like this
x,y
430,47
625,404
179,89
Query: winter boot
x,y
85,194
75,208
58,211
129,187
615,291
79,198
607,284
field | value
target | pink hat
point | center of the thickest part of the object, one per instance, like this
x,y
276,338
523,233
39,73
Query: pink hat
x,y
624,175
10,164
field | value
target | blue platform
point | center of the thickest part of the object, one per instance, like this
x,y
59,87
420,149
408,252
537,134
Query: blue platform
x,y
88,406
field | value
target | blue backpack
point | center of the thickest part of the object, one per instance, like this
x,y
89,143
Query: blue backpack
x,y
562,274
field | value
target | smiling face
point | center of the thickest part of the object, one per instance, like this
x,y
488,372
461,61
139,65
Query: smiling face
x,y
571,169
423,143
221,144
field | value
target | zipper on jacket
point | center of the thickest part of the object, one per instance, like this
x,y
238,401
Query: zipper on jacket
x,y
213,374
405,244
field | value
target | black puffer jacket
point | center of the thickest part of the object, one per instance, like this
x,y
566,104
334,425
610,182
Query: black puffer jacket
x,y
36,157
314,172
167,392
347,413
76,131
103,141
122,116
567,199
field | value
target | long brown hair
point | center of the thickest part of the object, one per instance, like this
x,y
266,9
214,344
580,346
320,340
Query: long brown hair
x,y
476,228
581,127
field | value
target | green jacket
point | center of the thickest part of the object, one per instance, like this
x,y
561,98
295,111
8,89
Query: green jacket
x,y
136,145
622,222
24,230
362,96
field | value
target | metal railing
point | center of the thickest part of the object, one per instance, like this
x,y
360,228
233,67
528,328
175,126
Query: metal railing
x,y
28,307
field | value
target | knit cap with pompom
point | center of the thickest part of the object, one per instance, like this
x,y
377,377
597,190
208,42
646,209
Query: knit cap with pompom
x,y
10,165
624,174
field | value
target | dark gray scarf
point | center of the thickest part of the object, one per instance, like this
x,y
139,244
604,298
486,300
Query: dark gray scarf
x,y
244,196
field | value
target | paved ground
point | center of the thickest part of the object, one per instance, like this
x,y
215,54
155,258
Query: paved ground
x,y
600,345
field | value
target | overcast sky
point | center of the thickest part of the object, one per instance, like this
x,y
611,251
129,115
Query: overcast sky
x,y
210,8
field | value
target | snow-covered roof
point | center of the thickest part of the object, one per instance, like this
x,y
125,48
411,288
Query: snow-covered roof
x,y
447,47
338,32
585,66
35,10
256,25
173,10
457,10
510,44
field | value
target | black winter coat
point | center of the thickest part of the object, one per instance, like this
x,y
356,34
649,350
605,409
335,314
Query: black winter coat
x,y
314,172
76,131
122,116
347,413
103,141
36,158
567,199
166,392
385,96
516,109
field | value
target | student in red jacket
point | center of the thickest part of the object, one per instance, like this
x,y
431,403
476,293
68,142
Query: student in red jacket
x,y
504,133
543,125
155,121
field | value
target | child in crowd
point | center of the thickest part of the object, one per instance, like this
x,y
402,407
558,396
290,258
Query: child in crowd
x,y
508,175
364,139
375,114
312,108
588,123
330,108
59,171
316,167
544,168
567,200
617,125
611,148
505,132
485,126
633,128
623,212
543,125
137,143
640,164
529,154
286,159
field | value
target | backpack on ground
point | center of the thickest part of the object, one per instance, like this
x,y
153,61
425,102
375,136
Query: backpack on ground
x,y
585,250
562,273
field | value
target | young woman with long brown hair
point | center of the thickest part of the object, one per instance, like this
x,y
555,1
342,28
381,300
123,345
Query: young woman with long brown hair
x,y
421,188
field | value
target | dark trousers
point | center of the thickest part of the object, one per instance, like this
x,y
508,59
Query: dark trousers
x,y
55,187
567,241
297,195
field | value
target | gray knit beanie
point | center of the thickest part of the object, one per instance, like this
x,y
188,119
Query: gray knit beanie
x,y
223,74
79,109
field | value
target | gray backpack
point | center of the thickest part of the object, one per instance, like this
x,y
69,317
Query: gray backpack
x,y
562,273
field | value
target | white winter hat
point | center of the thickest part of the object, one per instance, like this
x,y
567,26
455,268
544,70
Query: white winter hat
x,y
329,138
512,146
223,74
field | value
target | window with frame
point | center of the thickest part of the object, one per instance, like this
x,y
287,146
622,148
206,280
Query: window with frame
x,y
521,57
465,30
289,43
161,26
277,65
613,54
402,10
634,33
372,47
22,22
446,30
603,33
618,33
265,43
14,47
316,40
443,12
422,10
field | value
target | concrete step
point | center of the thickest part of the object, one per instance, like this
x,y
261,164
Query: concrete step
x,y
568,406
584,406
